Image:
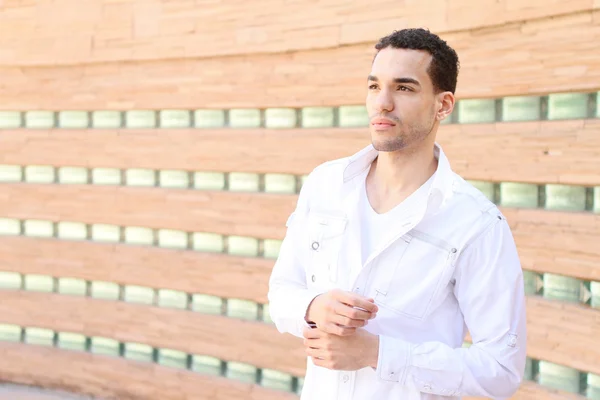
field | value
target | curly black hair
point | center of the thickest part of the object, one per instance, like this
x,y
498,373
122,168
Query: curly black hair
x,y
444,66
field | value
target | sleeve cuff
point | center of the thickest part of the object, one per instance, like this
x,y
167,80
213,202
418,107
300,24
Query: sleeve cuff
x,y
393,359
300,308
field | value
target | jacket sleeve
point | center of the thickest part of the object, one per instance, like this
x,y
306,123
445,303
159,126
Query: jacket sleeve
x,y
288,295
490,290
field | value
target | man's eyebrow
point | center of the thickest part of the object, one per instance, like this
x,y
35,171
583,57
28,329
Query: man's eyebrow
x,y
396,80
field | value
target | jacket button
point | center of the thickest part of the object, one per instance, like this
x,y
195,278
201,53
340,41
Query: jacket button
x,y
315,245
314,278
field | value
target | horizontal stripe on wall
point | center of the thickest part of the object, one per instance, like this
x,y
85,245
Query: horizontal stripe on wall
x,y
559,106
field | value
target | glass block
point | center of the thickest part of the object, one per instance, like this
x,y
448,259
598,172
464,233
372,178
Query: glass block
x,y
105,290
106,346
72,230
562,288
209,180
73,175
10,226
10,119
106,119
533,282
140,177
353,116
72,286
71,341
172,299
565,197
241,372
106,233
595,291
303,179
11,173
242,246
39,228
207,304
140,119
10,333
528,375
476,111
280,183
172,358
175,118
172,239
138,352
206,365
39,174
209,118
73,119
174,179
10,280
244,118
522,195
300,386
243,309
209,242
521,108
598,105
39,283
559,377
276,380
266,317
280,118
106,176
271,248
317,117
139,294
567,105
39,336
597,199
487,188
593,387
244,182
139,235
39,119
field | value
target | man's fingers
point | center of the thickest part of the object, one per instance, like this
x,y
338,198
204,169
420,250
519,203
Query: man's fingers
x,y
335,329
348,322
352,313
355,300
310,333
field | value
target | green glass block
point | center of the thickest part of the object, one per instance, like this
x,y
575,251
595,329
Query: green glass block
x,y
303,179
244,118
597,199
209,180
174,179
276,380
11,173
39,336
522,195
140,119
175,118
140,177
209,118
71,341
528,376
241,372
105,290
243,182
353,116
243,309
593,387
567,106
39,283
476,111
559,377
487,188
521,108
10,333
106,176
72,286
106,233
300,386
172,358
72,230
39,174
10,119
10,226
318,117
39,119
598,105
562,288
172,299
208,242
10,280
595,291
139,235
533,282
280,183
73,175
207,304
105,346
172,239
39,228
138,352
73,119
139,294
271,248
242,246
280,118
106,119
565,197
206,365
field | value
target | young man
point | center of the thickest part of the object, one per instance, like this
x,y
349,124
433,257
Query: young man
x,y
390,258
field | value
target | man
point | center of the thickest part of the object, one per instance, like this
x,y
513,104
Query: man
x,y
390,258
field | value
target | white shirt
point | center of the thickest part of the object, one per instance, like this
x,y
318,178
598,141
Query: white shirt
x,y
452,267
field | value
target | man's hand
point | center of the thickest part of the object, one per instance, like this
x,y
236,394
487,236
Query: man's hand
x,y
343,353
339,312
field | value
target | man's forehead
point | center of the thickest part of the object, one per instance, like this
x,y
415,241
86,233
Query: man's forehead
x,y
390,61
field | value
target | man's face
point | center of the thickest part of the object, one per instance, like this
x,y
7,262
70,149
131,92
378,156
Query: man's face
x,y
400,99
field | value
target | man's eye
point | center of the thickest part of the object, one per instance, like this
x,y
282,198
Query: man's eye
x,y
373,86
404,88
